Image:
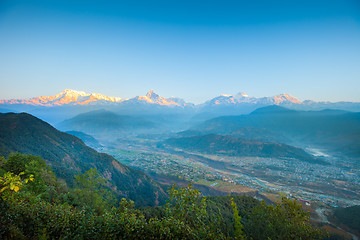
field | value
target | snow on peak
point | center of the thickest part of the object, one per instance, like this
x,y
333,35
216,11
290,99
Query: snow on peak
x,y
68,96
241,94
153,98
152,95
241,98
73,97
285,98
74,92
150,92
102,97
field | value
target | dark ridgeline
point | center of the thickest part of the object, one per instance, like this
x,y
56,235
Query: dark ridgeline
x,y
231,146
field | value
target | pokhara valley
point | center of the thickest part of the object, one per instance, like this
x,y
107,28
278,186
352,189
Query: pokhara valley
x,y
267,148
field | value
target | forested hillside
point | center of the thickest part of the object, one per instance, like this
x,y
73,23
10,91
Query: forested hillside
x,y
68,155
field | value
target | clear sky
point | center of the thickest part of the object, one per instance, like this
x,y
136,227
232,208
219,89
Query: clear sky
x,y
190,49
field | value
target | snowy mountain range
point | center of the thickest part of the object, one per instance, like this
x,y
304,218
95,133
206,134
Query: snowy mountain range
x,y
73,97
239,98
70,97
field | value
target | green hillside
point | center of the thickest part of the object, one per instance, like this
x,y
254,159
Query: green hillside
x,y
68,155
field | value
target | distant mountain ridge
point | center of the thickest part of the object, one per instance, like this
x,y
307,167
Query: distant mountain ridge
x,y
105,122
73,97
70,103
244,98
68,96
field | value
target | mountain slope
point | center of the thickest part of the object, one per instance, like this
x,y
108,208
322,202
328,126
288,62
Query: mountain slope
x,y
230,146
339,130
348,218
68,156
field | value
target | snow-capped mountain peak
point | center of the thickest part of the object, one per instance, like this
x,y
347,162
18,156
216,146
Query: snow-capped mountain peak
x,y
154,98
152,95
285,98
66,97
74,92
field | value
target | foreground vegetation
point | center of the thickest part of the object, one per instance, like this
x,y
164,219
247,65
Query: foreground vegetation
x,y
34,204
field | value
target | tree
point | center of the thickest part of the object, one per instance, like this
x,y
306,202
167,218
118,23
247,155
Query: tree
x,y
2,161
45,184
187,205
285,220
16,162
91,192
10,183
239,234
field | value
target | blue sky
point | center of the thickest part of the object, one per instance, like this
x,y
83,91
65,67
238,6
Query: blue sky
x,y
191,49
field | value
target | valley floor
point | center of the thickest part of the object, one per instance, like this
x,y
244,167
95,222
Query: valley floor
x,y
315,186
335,184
